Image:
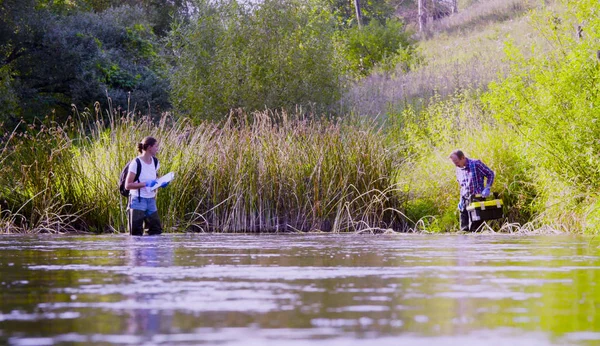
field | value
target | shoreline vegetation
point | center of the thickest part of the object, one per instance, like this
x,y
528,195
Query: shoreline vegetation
x,y
260,172
514,84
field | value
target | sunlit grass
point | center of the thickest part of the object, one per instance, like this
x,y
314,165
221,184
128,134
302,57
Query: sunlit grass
x,y
464,51
261,172
264,172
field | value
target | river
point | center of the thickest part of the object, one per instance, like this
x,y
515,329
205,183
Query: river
x,y
299,289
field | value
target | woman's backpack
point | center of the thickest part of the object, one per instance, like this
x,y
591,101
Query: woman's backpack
x,y
124,192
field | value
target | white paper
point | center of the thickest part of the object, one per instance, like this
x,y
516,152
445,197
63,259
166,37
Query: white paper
x,y
164,179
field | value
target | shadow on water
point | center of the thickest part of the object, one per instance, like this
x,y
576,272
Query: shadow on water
x,y
299,289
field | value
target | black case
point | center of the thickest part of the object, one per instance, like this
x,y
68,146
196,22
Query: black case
x,y
486,210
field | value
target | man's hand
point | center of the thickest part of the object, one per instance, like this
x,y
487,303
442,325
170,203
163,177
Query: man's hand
x,y
485,193
165,184
151,183
461,206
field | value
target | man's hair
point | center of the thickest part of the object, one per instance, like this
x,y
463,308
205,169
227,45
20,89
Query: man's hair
x,y
458,154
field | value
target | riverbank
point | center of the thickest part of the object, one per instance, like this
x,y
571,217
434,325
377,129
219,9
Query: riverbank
x,y
263,172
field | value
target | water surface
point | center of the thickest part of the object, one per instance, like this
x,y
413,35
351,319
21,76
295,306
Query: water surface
x,y
299,290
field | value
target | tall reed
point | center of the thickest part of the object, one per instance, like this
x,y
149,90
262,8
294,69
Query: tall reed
x,y
33,162
260,172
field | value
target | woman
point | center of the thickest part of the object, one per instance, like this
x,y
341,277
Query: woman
x,y
142,176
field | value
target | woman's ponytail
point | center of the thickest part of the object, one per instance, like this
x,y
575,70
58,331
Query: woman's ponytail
x,y
145,143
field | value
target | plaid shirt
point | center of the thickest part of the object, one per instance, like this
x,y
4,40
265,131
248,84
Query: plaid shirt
x,y
471,177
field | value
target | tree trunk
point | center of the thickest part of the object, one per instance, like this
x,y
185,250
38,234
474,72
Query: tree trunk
x,y
358,13
454,6
422,15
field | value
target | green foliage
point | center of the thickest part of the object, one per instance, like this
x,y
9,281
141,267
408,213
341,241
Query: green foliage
x,y
59,60
537,129
8,99
553,103
277,54
260,172
387,45
345,14
221,55
425,215
159,13
427,176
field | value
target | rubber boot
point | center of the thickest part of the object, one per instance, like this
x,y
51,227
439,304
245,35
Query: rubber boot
x,y
474,225
136,222
153,224
464,220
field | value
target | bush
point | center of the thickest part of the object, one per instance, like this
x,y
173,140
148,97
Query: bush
x,y
58,60
553,103
278,54
387,45
428,177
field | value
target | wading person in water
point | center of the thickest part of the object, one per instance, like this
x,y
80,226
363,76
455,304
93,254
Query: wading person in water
x,y
142,199
470,174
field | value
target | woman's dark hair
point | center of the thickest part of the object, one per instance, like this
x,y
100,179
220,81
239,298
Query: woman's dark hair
x,y
145,143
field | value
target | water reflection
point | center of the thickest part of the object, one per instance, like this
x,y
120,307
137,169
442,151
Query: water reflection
x,y
295,289
146,252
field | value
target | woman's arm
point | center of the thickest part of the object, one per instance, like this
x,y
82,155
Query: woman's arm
x,y
130,185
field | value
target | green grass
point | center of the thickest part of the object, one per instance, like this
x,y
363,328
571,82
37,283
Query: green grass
x,y
284,172
535,127
260,172
463,51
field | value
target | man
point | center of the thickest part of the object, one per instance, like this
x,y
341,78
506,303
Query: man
x,y
470,175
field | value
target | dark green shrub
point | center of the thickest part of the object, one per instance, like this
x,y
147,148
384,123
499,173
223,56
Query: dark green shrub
x,y
57,60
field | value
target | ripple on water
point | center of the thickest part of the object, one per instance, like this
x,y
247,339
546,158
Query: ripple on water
x,y
295,290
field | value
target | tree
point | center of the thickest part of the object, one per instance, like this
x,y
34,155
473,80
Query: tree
x,y
279,53
376,44
358,13
159,13
54,60
348,12
422,15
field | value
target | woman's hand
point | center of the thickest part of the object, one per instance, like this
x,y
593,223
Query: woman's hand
x,y
151,183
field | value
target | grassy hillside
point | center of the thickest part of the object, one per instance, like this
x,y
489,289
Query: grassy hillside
x,y
462,51
521,94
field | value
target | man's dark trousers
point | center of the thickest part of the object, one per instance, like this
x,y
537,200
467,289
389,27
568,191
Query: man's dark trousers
x,y
465,221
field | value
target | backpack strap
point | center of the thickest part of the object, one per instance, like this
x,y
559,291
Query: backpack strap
x,y
138,171
155,163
